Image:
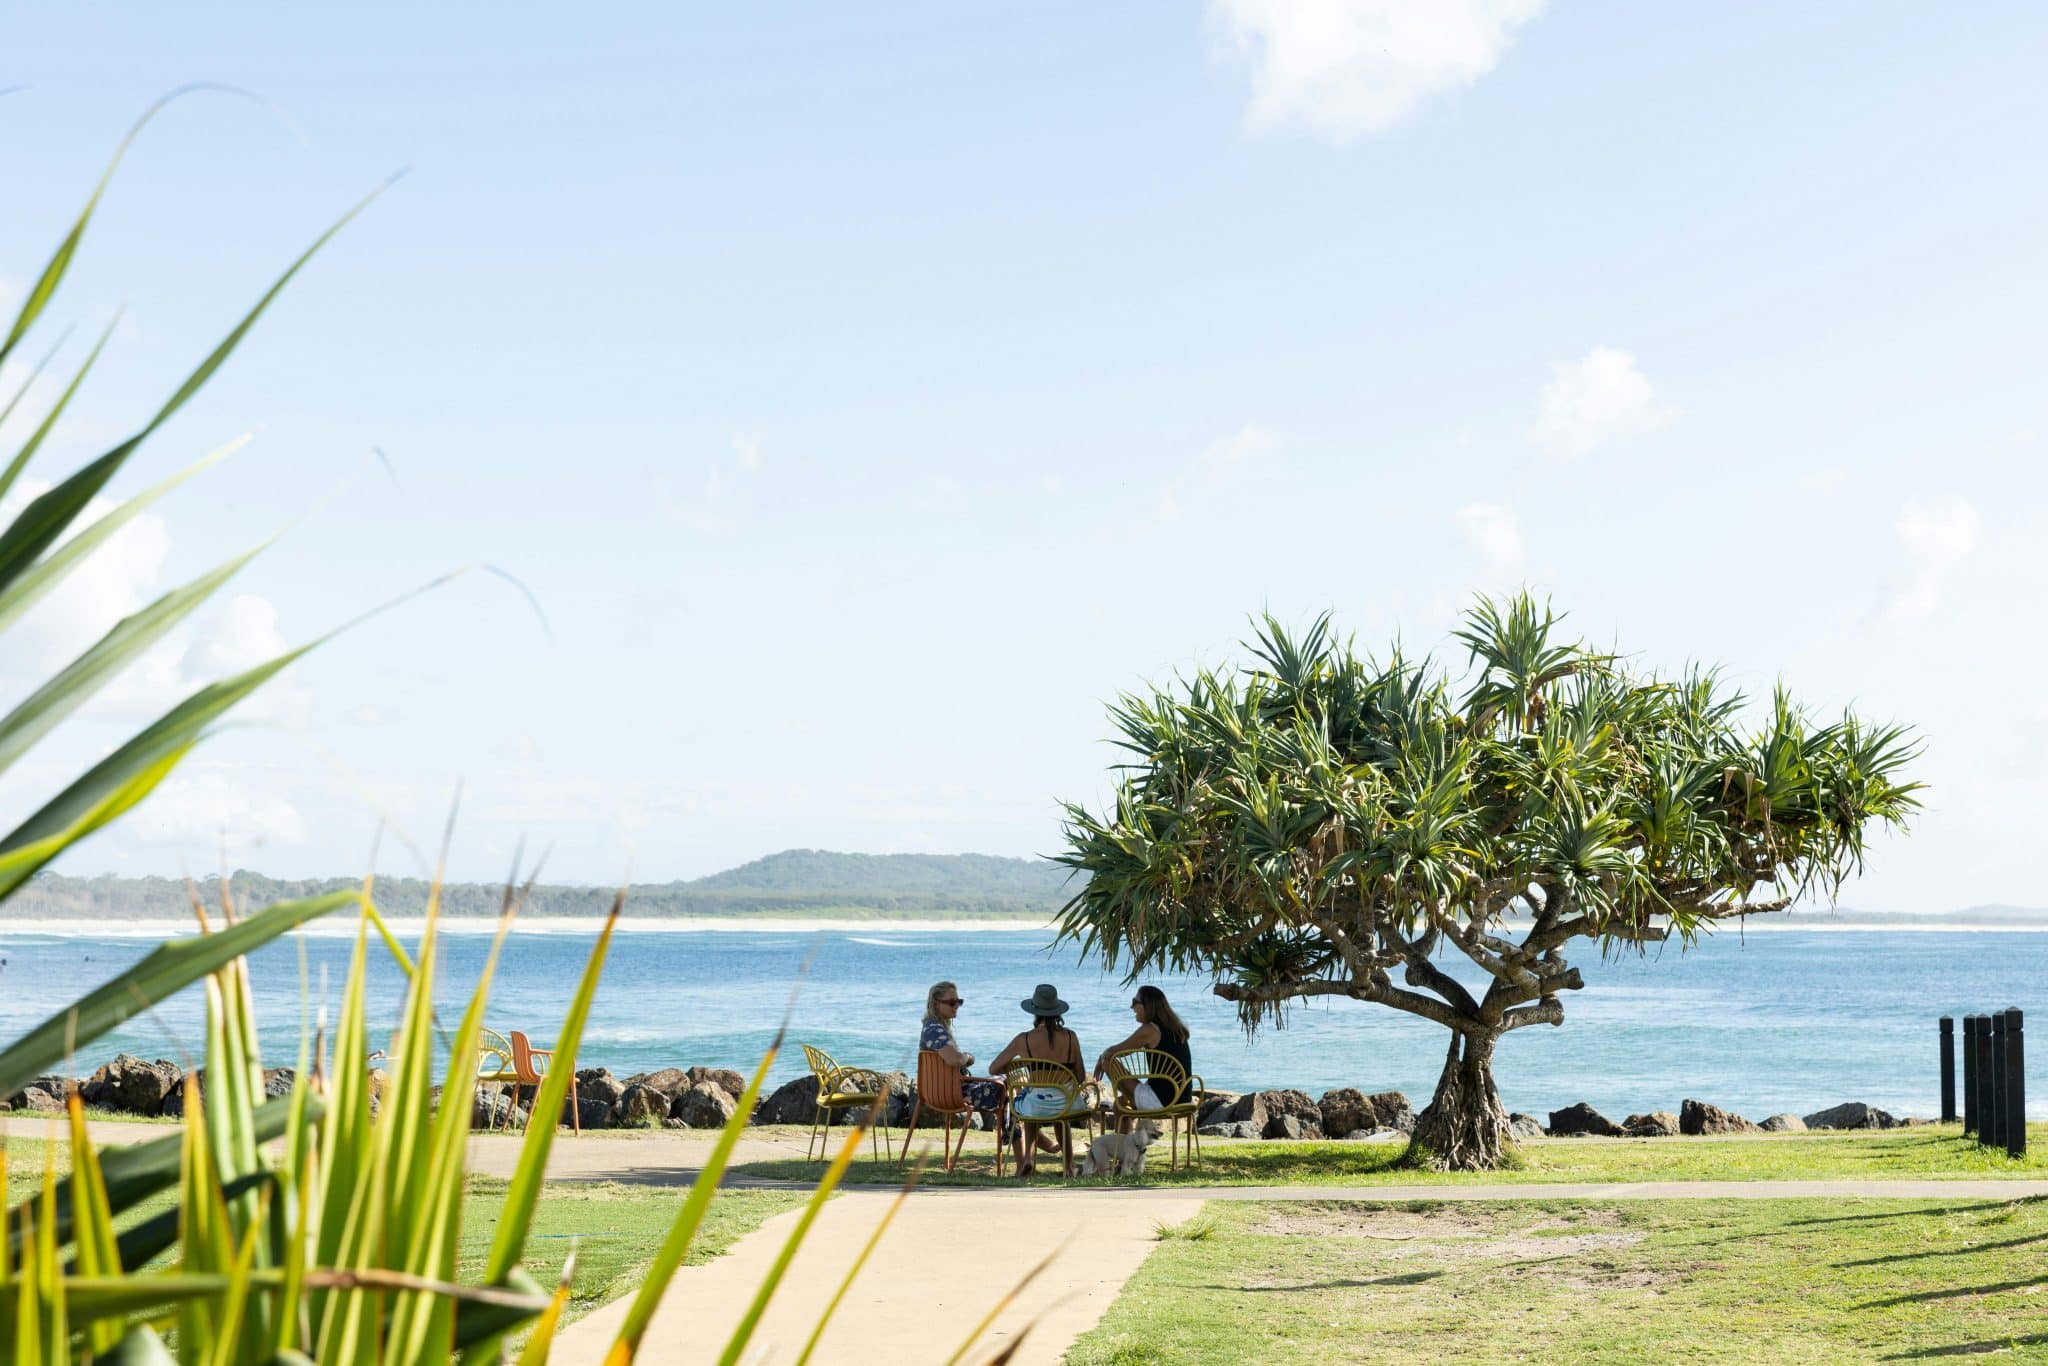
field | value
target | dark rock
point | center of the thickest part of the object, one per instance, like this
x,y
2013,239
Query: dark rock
x,y
131,1085
36,1101
1784,1124
703,1106
1376,1136
1852,1114
1525,1126
1237,1128
1696,1117
1216,1107
594,1114
724,1078
1261,1109
667,1080
278,1082
640,1107
174,1103
598,1084
793,1102
1348,1108
1577,1120
1656,1124
495,1109
1291,1127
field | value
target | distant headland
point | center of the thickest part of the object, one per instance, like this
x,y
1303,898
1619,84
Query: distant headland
x,y
794,884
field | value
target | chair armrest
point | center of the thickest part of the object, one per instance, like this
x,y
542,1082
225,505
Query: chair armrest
x,y
852,1080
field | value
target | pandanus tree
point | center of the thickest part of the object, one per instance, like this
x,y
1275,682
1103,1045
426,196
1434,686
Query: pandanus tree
x,y
1324,825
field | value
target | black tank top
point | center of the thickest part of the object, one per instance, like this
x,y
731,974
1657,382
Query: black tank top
x,y
1177,1049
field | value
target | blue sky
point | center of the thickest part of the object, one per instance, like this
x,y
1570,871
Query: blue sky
x,y
868,395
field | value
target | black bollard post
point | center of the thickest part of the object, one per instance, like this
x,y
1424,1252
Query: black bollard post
x,y
1948,1070
1983,1049
1994,1091
1970,1077
2015,1085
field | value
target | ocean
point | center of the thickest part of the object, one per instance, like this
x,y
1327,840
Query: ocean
x,y
1789,1019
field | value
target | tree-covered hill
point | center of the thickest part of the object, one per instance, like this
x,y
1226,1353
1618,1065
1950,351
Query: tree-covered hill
x,y
794,882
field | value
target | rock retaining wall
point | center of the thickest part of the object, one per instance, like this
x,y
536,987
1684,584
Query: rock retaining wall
x,y
705,1098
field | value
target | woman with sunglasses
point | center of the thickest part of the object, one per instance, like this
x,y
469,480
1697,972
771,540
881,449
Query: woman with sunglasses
x,y
941,1004
1159,1032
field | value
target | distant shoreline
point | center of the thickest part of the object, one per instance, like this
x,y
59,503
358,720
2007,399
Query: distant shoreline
x,y
342,923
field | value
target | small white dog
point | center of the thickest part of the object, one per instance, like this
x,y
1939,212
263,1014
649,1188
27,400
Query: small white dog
x,y
1121,1154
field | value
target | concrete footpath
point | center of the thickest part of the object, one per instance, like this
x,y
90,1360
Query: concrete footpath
x,y
945,1263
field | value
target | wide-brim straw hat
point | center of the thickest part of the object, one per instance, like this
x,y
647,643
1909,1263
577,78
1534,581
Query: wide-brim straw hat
x,y
1044,1001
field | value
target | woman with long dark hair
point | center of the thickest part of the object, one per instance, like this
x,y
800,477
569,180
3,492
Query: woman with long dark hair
x,y
1161,1033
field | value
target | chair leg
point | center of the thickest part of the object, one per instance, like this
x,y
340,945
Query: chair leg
x,y
916,1105
575,1108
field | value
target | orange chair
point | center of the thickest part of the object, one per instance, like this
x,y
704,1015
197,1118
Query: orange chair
x,y
938,1090
529,1068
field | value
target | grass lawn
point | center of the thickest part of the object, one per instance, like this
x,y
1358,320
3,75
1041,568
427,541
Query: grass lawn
x,y
614,1228
1922,1151
1733,1280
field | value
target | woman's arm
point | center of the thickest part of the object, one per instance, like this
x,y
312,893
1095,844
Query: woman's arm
x,y
1144,1036
1012,1050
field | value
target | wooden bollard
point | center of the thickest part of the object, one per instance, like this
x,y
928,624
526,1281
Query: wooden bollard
x,y
1970,1075
1994,1100
1948,1070
2015,1084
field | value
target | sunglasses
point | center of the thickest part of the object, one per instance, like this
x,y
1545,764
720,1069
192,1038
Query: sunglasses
x,y
954,1001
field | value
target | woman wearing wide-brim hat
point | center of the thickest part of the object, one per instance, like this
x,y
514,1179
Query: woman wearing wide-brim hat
x,y
1051,1040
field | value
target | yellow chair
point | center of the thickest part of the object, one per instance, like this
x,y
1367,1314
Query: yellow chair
x,y
846,1088
1077,1102
517,1063
1125,1070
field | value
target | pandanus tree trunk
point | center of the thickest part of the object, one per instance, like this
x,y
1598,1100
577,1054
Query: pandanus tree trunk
x,y
1465,1125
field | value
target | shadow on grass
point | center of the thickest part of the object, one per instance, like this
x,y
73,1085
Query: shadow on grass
x,y
1974,1205
1955,1292
1948,1251
1982,1347
1406,1278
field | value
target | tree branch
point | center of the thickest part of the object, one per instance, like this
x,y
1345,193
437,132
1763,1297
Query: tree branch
x,y
1549,1011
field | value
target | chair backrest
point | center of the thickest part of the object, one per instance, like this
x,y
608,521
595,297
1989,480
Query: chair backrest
x,y
1144,1064
522,1059
1030,1073
821,1062
938,1083
493,1053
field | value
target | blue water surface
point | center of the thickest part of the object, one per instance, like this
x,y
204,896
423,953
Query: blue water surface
x,y
1789,1020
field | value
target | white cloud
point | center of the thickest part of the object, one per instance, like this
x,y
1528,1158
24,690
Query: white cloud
x,y
1490,529
724,499
209,807
1342,68
241,634
1221,465
1937,537
370,714
1593,401
115,580
119,578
